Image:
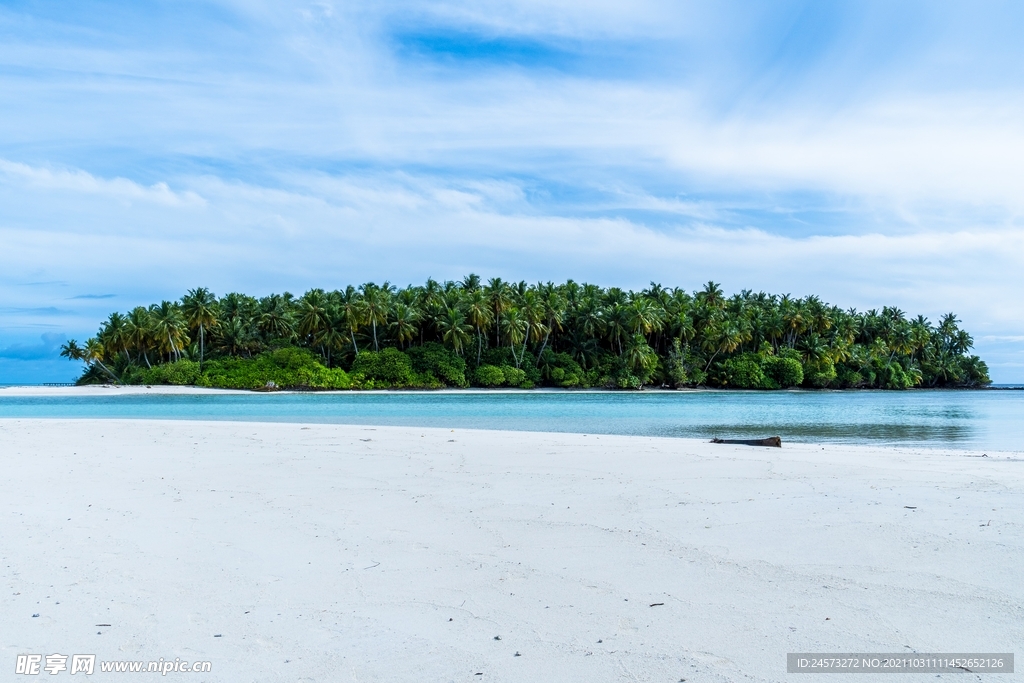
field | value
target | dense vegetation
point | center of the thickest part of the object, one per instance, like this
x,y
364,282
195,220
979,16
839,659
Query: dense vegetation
x,y
458,334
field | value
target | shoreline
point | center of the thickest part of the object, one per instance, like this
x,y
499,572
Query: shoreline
x,y
868,448
290,551
798,416
126,389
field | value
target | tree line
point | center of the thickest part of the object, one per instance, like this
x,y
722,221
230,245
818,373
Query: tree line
x,y
498,333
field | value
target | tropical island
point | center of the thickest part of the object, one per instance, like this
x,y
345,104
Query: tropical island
x,y
503,334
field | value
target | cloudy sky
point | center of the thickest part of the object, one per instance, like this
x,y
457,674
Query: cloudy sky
x,y
868,152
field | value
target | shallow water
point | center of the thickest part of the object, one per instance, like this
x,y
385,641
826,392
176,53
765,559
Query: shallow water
x,y
959,419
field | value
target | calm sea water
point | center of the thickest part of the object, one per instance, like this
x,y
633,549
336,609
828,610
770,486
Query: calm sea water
x,y
959,419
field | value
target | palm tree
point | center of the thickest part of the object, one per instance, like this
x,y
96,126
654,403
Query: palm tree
x,y
276,320
639,356
617,323
404,323
377,303
353,312
500,298
169,328
234,337
454,329
313,315
200,309
114,334
329,336
711,296
533,311
72,351
726,338
237,306
91,354
139,332
554,313
478,313
794,321
590,319
94,353
514,326
643,316
920,335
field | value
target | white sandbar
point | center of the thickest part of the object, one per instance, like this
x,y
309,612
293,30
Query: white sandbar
x,y
287,552
110,390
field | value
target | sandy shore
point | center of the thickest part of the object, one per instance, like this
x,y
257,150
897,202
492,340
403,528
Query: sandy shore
x,y
135,389
286,552
109,390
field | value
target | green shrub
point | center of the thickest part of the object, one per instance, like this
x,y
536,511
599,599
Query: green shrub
x,y
323,378
628,380
292,358
182,372
133,374
896,377
697,377
784,371
681,367
514,377
674,369
426,380
497,356
441,364
744,372
820,374
973,372
489,376
288,368
849,379
558,369
386,368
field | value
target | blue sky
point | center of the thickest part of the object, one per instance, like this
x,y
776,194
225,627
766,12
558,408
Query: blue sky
x,y
868,152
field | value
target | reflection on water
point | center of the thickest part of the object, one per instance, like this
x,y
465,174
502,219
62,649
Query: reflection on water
x,y
965,419
847,433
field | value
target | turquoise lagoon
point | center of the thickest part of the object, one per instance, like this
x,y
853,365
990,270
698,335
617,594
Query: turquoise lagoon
x,y
980,419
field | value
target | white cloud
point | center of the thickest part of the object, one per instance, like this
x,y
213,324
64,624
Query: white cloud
x,y
404,226
937,151
75,180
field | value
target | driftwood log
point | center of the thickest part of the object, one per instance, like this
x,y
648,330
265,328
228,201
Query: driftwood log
x,y
773,441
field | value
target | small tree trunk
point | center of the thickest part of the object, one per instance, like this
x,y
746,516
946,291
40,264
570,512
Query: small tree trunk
x,y
710,361
107,370
543,346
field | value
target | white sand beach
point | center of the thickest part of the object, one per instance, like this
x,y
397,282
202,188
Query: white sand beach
x,y
287,552
109,390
